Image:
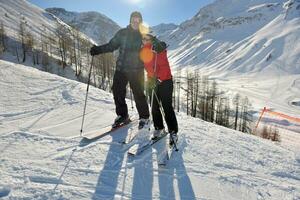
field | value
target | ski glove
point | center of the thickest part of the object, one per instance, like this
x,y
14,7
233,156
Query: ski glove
x,y
158,46
95,50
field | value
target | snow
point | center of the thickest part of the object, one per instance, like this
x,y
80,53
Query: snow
x,y
162,29
42,157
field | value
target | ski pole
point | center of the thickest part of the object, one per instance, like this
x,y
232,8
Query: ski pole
x,y
87,91
131,99
152,89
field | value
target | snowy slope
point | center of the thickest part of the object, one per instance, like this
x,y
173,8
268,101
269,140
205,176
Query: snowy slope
x,y
40,156
95,25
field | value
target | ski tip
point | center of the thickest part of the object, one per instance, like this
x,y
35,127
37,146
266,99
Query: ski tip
x,y
162,164
131,154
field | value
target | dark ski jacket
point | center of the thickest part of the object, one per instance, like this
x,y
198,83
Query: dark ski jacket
x,y
129,42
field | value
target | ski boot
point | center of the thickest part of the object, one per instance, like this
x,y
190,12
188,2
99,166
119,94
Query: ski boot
x,y
120,120
173,138
158,133
143,123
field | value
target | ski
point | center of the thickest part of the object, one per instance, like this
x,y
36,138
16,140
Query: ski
x,y
137,149
166,152
94,135
132,134
166,155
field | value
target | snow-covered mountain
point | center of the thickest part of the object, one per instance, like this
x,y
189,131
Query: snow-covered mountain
x,y
96,25
162,29
37,19
13,11
244,45
232,37
43,157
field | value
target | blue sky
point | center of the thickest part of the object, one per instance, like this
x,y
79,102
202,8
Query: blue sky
x,y
154,11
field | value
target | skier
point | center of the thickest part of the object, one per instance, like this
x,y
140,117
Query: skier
x,y
129,68
154,56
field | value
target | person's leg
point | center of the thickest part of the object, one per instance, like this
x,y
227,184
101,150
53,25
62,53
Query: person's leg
x,y
136,81
119,91
156,114
165,95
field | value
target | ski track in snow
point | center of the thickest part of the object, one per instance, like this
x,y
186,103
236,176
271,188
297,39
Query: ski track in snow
x,y
230,163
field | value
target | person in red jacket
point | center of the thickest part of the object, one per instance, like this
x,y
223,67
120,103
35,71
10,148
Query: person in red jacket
x,y
160,82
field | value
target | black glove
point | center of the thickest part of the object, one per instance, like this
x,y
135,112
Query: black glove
x,y
95,50
158,45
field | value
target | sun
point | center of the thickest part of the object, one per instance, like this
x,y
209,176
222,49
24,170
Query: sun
x,y
134,1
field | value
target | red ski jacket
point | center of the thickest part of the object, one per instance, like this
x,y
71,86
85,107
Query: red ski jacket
x,y
148,56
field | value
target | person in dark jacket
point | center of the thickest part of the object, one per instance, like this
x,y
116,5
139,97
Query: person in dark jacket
x,y
160,84
129,68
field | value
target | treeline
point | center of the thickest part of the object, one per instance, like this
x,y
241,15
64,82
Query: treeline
x,y
65,47
201,97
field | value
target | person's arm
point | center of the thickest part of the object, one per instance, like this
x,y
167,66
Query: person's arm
x,y
111,46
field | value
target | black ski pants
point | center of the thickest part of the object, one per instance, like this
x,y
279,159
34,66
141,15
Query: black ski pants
x,y
136,83
163,93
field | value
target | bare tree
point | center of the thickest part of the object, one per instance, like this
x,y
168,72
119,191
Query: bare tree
x,y
63,42
22,35
246,117
29,42
227,110
276,135
222,110
205,89
2,38
195,94
236,103
213,96
189,91
178,87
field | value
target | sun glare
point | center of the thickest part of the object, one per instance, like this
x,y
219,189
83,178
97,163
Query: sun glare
x,y
134,1
144,28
